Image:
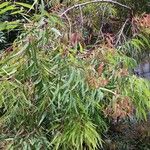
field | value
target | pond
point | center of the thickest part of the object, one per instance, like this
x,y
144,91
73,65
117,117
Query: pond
x,y
143,70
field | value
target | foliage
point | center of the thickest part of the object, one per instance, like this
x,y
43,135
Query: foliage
x,y
56,95
12,15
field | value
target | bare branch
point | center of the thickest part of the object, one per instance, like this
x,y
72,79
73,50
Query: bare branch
x,y
121,32
94,1
81,17
69,22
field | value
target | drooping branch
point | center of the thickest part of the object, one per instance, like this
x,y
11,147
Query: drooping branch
x,y
94,1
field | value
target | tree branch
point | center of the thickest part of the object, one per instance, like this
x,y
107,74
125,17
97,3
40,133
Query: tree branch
x,y
94,1
121,32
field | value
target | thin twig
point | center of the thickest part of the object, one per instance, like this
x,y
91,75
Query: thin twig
x,y
100,30
121,31
69,22
94,1
81,17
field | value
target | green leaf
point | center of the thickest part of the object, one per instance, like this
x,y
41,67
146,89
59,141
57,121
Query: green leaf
x,y
7,9
57,32
24,5
21,51
8,25
81,48
17,12
42,118
4,4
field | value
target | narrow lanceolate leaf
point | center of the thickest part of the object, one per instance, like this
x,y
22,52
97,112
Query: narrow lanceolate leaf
x,y
8,8
57,32
24,5
17,12
21,51
8,25
4,4
42,118
146,41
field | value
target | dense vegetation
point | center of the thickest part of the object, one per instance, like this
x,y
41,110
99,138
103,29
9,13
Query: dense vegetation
x,y
66,72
